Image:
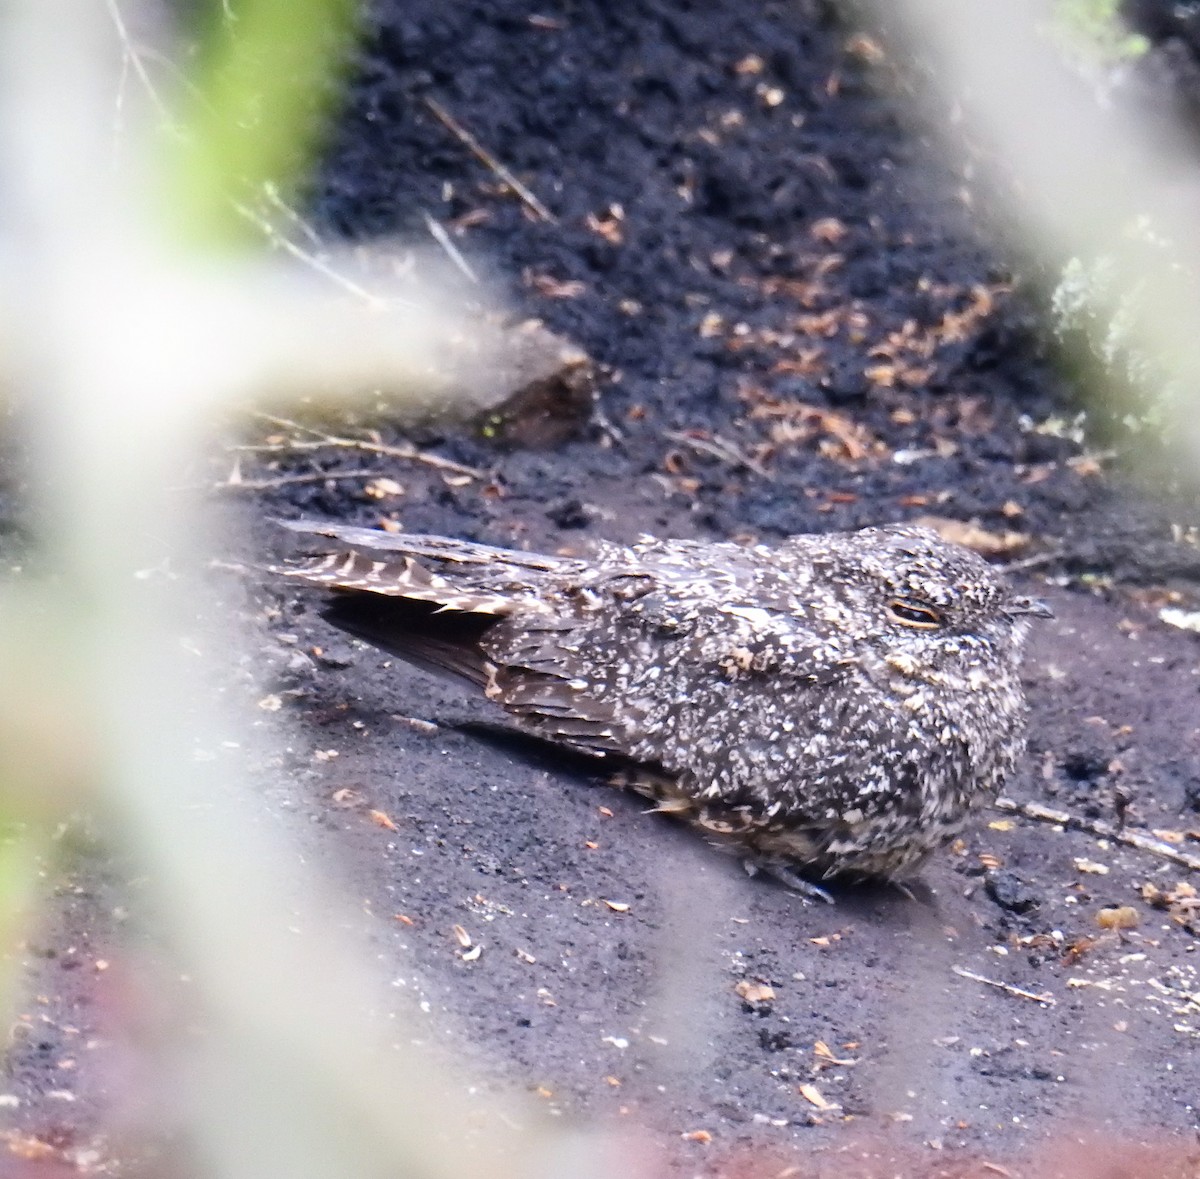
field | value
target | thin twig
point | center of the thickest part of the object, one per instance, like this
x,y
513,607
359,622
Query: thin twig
x,y
1099,828
476,148
720,448
320,439
439,234
134,56
613,432
119,106
1046,558
286,480
1008,988
271,192
313,261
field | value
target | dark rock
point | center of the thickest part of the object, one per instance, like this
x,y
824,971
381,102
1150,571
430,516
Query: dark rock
x,y
1010,892
570,513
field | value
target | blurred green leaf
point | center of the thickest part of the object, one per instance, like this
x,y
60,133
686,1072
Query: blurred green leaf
x,y
266,75
1094,28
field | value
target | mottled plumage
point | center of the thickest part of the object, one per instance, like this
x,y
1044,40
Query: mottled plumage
x,y
833,704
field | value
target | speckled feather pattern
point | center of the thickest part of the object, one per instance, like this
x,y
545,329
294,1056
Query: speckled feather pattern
x,y
835,704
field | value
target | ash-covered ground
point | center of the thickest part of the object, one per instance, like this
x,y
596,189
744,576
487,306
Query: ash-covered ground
x,y
804,325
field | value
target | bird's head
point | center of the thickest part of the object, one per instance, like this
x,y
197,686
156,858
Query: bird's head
x,y
916,594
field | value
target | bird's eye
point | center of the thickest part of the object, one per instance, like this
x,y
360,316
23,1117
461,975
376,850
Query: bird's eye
x,y
908,612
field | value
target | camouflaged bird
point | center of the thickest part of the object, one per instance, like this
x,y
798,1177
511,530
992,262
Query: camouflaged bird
x,y
835,704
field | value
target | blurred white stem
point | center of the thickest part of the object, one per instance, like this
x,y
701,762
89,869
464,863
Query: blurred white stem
x,y
121,347
1083,171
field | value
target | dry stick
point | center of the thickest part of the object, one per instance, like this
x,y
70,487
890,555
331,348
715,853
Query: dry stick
x,y
1007,988
1046,558
303,446
271,192
283,242
286,480
476,148
439,234
321,439
1099,828
721,448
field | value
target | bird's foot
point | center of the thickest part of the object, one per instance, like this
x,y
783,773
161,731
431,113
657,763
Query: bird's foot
x,y
807,890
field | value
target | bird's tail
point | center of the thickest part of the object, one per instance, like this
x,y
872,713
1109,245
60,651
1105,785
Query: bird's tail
x,y
428,599
454,574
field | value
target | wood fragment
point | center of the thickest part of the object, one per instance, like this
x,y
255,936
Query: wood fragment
x,y
477,149
1118,917
754,992
383,819
1100,829
1008,988
814,1096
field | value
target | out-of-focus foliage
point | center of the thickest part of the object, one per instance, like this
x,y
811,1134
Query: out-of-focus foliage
x,y
125,347
1094,31
21,842
1103,303
264,79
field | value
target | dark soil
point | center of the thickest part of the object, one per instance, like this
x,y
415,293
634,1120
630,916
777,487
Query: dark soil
x,y
771,258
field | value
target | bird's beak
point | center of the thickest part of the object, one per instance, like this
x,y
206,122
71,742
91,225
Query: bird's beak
x,y
1033,606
